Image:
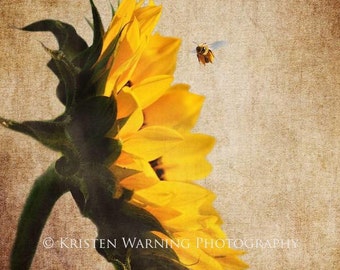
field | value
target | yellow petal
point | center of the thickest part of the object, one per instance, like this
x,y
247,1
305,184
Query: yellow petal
x,y
162,213
176,194
122,16
159,57
126,104
196,222
195,170
187,161
133,124
178,108
127,54
138,181
189,254
220,258
129,45
151,89
151,3
148,18
193,145
144,179
132,44
151,142
128,161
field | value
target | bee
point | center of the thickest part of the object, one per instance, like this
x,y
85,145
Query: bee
x,y
204,51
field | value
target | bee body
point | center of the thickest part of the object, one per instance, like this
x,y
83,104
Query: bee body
x,y
204,54
204,51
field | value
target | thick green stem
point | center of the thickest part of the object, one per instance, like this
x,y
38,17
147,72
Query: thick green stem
x,y
46,190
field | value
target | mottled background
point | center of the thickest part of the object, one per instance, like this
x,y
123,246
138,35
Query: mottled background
x,y
272,102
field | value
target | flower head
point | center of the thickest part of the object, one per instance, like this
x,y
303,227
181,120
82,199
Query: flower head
x,y
129,156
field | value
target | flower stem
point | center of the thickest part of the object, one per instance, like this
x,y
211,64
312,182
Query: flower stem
x,y
47,189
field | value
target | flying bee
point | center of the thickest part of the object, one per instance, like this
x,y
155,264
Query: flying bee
x,y
204,51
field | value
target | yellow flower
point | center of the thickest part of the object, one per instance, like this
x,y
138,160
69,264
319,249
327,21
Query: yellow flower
x,y
156,137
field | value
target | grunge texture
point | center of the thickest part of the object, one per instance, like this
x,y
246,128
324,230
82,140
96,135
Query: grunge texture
x,y
272,102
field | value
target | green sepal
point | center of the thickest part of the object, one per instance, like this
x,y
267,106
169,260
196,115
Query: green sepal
x,y
92,119
70,43
67,165
112,10
89,23
155,259
115,218
64,63
61,91
104,151
49,133
110,150
100,185
140,256
76,53
92,181
67,74
89,56
141,218
47,189
100,70
117,126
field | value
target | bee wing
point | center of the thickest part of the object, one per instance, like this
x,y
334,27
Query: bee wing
x,y
217,44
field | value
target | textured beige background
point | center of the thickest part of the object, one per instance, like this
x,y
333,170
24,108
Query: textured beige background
x,y
272,102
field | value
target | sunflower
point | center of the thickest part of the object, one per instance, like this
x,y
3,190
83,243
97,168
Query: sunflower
x,y
129,156
157,140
